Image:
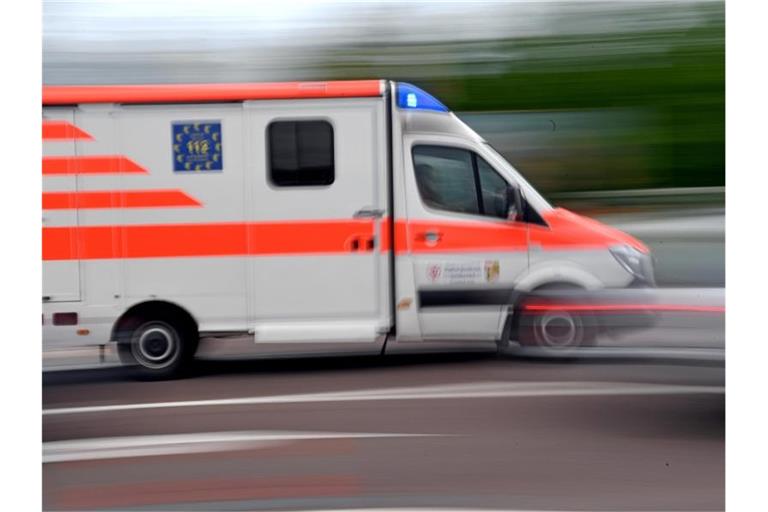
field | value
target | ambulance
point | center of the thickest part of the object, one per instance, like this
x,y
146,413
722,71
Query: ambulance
x,y
340,216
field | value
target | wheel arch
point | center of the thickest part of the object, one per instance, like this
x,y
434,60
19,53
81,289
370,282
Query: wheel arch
x,y
154,310
561,274
511,324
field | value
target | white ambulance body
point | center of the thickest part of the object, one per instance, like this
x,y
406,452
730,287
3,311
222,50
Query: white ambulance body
x,y
357,215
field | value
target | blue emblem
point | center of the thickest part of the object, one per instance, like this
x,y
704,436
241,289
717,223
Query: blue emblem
x,y
197,146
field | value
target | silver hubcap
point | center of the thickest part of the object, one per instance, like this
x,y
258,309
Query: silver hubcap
x,y
156,345
558,329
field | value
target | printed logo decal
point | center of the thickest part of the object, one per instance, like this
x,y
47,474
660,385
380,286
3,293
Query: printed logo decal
x,y
463,272
492,270
197,146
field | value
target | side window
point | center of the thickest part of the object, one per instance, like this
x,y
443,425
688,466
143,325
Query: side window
x,y
445,178
300,153
494,190
458,180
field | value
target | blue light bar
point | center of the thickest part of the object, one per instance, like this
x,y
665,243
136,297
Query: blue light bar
x,y
411,97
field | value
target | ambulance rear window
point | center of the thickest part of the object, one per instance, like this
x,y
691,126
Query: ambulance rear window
x,y
300,153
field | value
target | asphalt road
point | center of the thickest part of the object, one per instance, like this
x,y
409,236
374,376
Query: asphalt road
x,y
441,431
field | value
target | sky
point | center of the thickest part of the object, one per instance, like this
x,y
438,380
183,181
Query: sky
x,y
281,39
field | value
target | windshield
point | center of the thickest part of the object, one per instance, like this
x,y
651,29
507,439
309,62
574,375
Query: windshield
x,y
531,194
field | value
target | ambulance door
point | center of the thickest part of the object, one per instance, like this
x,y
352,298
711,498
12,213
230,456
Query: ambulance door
x,y
61,267
318,200
466,254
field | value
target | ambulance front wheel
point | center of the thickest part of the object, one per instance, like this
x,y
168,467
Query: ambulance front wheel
x,y
556,330
157,348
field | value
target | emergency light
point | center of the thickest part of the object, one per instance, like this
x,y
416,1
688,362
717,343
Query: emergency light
x,y
411,97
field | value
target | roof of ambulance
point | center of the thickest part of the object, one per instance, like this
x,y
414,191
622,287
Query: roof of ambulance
x,y
193,93
412,101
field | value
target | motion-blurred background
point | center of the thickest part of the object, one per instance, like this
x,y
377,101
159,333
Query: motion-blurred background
x,y
613,109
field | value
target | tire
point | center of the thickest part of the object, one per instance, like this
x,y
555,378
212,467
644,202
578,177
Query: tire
x,y
555,331
157,349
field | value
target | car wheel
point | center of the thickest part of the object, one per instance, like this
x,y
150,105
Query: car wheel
x,y
555,330
156,349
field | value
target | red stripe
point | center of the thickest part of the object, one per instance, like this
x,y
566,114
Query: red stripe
x,y
221,239
63,130
103,164
59,243
294,237
460,236
624,307
401,240
475,236
117,199
187,93
567,230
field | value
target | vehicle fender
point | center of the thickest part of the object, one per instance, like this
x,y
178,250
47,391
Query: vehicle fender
x,y
558,272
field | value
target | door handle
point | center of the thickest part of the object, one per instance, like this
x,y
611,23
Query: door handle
x,y
430,237
368,213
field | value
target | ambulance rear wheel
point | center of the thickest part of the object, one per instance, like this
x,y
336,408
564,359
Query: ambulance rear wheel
x,y
157,349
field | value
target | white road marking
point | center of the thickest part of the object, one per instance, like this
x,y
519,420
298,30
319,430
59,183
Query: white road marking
x,y
466,390
205,442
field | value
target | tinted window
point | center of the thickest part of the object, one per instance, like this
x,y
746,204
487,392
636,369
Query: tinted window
x,y
446,179
458,180
494,190
300,153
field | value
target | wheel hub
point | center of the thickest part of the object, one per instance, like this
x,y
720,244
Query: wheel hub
x,y
156,344
558,329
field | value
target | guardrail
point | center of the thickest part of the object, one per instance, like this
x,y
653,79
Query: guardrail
x,y
647,192
685,197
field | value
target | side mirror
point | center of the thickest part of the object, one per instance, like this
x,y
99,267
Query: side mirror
x,y
514,204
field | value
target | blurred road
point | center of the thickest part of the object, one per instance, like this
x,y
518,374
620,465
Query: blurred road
x,y
418,431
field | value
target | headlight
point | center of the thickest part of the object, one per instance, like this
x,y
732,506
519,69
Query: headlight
x,y
631,260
